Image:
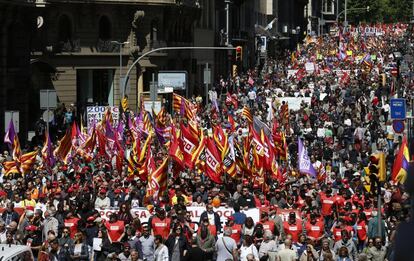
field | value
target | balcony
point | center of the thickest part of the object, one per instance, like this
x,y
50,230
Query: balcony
x,y
106,46
69,46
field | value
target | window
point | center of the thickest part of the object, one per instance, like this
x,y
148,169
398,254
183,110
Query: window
x,y
105,28
328,7
65,28
95,86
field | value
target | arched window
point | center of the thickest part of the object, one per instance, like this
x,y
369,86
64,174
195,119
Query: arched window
x,y
105,28
65,28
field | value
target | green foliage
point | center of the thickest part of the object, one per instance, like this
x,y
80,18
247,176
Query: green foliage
x,y
388,11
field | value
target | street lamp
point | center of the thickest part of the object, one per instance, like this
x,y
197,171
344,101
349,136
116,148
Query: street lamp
x,y
120,64
349,10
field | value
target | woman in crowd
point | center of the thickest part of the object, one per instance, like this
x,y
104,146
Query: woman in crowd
x,y
80,250
177,244
248,248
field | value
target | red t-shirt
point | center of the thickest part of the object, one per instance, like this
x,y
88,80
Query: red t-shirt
x,y
293,229
236,230
115,230
72,224
268,225
340,201
368,213
161,227
314,230
336,231
362,230
327,203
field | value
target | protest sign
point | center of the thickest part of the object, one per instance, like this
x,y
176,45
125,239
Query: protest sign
x,y
96,114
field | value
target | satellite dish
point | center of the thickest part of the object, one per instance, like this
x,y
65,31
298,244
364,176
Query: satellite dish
x,y
48,116
40,21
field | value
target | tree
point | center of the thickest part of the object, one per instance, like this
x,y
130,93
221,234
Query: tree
x,y
388,11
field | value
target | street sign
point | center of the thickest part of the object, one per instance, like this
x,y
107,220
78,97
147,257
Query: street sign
x,y
398,126
398,109
48,99
8,115
173,79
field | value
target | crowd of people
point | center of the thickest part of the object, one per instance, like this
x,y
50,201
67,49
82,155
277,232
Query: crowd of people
x,y
343,211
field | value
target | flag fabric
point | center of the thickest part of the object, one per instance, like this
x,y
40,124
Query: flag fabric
x,y
188,144
174,150
65,144
26,161
247,114
47,151
124,103
232,124
157,180
183,106
400,167
304,163
213,168
10,134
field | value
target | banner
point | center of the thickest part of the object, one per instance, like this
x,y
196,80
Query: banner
x,y
143,214
294,102
96,113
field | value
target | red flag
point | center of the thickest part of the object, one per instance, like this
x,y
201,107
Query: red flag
x,y
188,144
213,166
102,143
157,179
175,150
232,124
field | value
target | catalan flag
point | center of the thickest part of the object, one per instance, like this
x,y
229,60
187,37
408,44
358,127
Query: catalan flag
x,y
65,144
400,167
26,161
247,114
183,106
157,180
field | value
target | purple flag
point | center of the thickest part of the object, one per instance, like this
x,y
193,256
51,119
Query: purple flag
x,y
47,151
304,163
9,137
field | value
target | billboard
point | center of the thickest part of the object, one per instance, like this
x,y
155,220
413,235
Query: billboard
x,y
172,79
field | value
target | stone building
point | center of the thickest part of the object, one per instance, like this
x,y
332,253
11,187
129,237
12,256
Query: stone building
x,y
69,46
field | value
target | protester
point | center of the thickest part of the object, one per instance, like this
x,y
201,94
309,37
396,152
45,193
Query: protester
x,y
286,158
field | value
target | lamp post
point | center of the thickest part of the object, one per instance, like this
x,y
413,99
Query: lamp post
x,y
349,10
120,44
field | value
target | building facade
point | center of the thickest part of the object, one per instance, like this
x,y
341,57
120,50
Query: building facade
x,y
76,48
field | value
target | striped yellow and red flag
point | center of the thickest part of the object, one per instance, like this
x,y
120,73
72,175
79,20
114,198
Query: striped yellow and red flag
x,y
183,106
65,144
26,161
157,180
10,167
247,114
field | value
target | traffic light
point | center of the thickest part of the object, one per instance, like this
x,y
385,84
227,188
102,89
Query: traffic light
x,y
378,166
239,53
234,70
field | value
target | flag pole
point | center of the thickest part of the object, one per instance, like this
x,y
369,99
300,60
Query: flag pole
x,y
379,210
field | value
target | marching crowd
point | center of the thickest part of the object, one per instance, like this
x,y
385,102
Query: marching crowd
x,y
342,211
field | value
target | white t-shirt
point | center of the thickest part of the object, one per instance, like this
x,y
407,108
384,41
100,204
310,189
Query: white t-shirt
x,y
222,244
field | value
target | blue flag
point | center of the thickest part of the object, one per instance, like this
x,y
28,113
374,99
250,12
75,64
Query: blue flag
x,y
304,163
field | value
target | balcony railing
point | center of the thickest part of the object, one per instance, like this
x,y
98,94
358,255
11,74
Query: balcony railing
x,y
70,46
106,46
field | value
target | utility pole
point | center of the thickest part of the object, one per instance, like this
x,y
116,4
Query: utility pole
x,y
346,14
120,44
227,2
